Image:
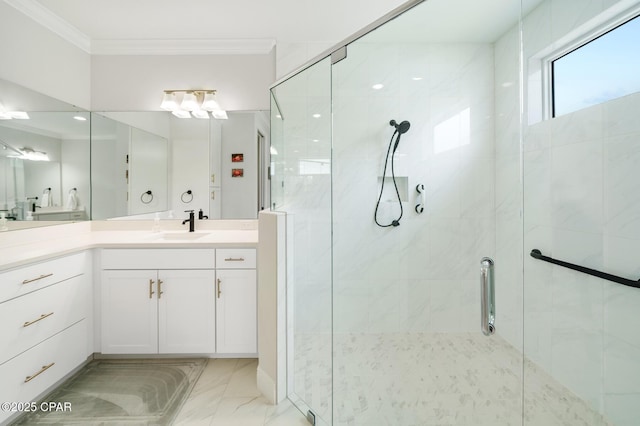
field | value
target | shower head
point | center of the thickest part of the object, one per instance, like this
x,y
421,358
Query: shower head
x,y
402,127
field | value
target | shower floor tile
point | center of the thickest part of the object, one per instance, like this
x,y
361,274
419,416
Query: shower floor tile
x,y
425,379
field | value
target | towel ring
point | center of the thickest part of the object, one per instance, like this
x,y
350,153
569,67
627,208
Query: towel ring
x,y
187,196
150,197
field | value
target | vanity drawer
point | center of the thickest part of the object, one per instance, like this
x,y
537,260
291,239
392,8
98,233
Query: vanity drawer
x,y
28,320
236,258
44,364
158,259
24,280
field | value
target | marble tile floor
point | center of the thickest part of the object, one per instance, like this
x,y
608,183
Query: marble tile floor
x,y
226,395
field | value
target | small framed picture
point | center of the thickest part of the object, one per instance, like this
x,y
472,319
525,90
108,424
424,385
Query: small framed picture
x,y
237,172
237,158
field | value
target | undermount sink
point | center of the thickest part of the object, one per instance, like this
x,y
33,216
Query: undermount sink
x,y
179,236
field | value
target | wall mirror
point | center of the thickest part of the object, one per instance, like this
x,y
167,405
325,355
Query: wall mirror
x,y
218,166
129,164
103,167
44,159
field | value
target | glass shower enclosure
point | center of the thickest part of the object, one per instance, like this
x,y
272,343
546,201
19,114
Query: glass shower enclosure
x,y
386,324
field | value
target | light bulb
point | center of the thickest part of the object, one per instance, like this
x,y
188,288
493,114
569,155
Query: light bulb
x,y
169,102
209,103
189,102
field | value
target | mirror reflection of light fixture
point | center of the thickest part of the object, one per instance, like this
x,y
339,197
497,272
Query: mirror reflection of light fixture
x,y
27,153
220,114
197,103
181,113
8,115
199,113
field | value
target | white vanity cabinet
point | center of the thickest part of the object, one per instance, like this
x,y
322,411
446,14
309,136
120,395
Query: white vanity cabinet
x,y
158,301
236,296
179,301
45,324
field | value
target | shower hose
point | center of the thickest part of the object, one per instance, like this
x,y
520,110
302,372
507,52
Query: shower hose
x,y
394,222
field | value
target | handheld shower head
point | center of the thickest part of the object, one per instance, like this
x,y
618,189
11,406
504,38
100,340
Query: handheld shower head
x,y
402,127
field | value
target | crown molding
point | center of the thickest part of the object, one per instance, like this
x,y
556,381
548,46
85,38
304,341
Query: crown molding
x,y
52,22
40,14
183,47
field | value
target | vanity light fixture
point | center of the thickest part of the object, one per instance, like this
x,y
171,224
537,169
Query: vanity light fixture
x,y
197,103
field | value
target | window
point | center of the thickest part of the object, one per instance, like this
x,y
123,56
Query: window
x,y
602,69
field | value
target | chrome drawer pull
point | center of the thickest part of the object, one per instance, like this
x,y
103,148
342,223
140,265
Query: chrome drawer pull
x,y
151,292
233,259
36,279
42,370
43,316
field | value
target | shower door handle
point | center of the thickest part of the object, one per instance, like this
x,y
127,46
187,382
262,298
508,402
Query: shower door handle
x,y
487,297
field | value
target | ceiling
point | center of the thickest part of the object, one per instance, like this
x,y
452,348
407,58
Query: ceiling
x,y
95,22
107,26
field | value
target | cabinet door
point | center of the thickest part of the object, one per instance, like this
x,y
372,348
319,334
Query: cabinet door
x,y
186,321
236,311
129,312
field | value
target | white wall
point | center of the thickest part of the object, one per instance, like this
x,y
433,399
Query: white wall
x,y
136,83
34,57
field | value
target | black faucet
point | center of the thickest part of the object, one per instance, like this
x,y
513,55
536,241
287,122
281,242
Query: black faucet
x,y
201,215
33,204
191,220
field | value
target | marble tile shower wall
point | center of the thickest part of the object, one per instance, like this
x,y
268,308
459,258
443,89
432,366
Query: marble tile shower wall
x,y
581,204
307,197
423,275
508,257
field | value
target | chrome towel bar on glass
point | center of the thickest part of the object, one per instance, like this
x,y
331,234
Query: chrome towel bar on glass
x,y
537,254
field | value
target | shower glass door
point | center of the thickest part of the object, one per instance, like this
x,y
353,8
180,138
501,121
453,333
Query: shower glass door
x,y
301,187
407,342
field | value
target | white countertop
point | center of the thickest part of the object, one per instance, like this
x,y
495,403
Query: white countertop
x,y
18,248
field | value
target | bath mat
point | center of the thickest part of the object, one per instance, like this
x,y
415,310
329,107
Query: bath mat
x,y
122,392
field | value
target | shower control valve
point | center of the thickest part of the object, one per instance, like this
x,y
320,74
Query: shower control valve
x,y
420,198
